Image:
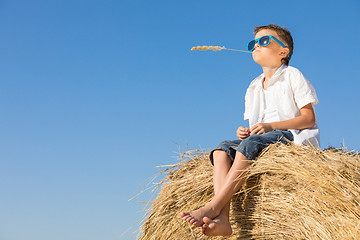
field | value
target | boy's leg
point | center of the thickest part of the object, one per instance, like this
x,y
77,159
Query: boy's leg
x,y
222,165
235,177
233,181
220,225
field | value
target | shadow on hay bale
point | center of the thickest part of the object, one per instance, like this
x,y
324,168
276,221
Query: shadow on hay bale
x,y
291,192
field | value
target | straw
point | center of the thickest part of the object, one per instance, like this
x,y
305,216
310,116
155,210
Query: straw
x,y
291,192
238,50
216,48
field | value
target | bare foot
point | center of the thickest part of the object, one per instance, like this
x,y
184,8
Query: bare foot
x,y
219,226
196,217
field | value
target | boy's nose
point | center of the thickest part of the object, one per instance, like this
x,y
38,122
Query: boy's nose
x,y
256,45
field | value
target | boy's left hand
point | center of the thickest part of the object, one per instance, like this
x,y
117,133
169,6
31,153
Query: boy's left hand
x,y
261,128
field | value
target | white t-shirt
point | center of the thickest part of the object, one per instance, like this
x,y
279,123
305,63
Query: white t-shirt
x,y
287,92
270,112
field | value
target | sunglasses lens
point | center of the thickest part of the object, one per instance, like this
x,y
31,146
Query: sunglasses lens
x,y
264,41
251,45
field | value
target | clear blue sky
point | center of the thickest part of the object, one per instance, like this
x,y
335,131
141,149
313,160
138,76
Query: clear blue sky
x,y
95,94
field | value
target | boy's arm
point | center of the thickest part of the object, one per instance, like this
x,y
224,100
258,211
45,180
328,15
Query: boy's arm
x,y
305,120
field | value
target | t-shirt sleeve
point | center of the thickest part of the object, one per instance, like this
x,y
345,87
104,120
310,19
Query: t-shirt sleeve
x,y
304,92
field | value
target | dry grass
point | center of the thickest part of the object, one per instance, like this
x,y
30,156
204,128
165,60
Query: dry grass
x,y
204,48
216,48
292,192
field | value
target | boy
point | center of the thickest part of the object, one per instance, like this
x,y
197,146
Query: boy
x,y
279,107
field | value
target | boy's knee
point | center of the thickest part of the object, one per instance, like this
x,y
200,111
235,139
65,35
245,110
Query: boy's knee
x,y
220,156
219,153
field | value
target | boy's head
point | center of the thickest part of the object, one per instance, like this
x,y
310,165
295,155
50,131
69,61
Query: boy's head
x,y
283,40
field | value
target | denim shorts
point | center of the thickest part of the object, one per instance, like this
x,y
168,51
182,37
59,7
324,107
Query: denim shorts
x,y
253,145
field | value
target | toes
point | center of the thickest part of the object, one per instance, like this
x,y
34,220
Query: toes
x,y
212,225
197,223
204,228
183,214
191,220
207,220
187,218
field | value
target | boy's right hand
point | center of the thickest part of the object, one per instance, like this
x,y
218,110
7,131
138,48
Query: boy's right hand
x,y
242,133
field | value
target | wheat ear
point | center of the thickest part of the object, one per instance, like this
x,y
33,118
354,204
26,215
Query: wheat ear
x,y
215,48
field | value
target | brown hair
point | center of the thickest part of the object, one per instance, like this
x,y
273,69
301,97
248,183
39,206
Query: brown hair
x,y
284,35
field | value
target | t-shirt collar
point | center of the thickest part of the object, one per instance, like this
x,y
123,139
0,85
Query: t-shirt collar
x,y
278,72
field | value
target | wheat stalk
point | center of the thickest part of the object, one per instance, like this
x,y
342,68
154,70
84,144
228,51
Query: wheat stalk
x,y
215,48
203,48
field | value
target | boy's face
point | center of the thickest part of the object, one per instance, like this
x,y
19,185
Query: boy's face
x,y
271,55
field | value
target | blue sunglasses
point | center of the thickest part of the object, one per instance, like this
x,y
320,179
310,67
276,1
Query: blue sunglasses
x,y
264,41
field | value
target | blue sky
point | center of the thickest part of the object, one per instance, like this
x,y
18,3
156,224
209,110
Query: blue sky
x,y
95,94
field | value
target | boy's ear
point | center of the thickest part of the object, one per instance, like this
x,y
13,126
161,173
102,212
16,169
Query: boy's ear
x,y
284,52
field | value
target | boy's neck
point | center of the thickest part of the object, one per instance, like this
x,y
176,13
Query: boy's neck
x,y
268,73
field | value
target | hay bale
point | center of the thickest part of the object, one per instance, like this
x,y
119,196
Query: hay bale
x,y
291,192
